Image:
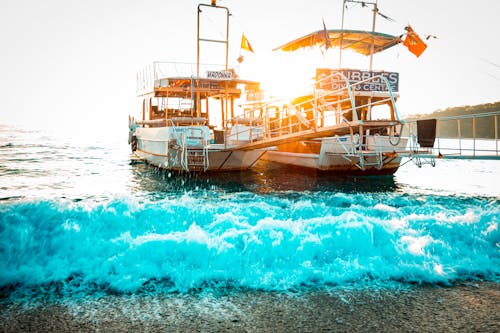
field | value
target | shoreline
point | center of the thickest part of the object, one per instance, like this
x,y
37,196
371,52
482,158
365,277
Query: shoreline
x,y
463,307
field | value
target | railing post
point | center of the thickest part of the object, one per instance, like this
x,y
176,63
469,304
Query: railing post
x,y
474,136
315,109
437,133
268,124
459,137
250,131
496,134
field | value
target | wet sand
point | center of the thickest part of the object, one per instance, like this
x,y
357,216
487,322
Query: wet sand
x,y
464,307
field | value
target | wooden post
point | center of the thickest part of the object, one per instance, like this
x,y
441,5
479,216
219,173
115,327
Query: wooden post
x,y
232,106
223,113
315,109
198,105
207,111
143,109
393,114
166,109
150,108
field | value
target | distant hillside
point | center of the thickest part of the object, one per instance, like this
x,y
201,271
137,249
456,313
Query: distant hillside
x,y
460,111
485,128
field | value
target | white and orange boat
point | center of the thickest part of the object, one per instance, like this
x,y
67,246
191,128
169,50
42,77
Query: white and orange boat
x,y
355,108
177,129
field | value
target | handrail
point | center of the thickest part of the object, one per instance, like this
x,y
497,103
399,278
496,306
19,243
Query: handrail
x,y
349,90
389,90
146,77
287,117
469,116
180,137
466,147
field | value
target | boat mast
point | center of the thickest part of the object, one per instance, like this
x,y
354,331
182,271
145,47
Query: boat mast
x,y
224,41
213,4
375,11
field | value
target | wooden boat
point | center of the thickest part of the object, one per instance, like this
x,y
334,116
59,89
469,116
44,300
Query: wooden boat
x,y
345,101
331,127
344,136
177,130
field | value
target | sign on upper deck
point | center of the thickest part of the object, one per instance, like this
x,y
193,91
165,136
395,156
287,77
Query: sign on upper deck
x,y
220,75
359,80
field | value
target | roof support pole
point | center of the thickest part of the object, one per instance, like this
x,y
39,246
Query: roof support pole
x,y
375,11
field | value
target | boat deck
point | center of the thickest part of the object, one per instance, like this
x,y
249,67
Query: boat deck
x,y
320,132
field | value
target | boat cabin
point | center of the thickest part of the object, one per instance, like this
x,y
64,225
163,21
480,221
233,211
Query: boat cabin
x,y
210,100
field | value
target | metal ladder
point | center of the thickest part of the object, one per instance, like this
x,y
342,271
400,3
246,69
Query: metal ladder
x,y
197,160
189,159
357,156
416,157
197,157
362,164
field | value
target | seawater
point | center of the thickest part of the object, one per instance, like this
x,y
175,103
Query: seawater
x,y
81,217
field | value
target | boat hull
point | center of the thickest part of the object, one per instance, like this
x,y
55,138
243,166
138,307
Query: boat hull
x,y
218,160
160,147
334,155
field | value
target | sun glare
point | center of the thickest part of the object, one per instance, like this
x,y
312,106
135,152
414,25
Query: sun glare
x,y
285,75
279,76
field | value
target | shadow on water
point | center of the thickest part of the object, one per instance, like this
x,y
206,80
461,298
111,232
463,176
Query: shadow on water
x,y
263,178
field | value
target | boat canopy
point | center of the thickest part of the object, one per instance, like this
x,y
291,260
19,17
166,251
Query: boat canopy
x,y
355,40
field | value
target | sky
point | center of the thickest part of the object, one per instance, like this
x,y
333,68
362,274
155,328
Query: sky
x,y
70,65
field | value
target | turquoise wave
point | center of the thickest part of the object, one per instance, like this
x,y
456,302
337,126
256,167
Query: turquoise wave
x,y
244,240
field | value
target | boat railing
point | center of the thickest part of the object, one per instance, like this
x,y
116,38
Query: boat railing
x,y
250,125
464,136
344,90
333,106
390,98
158,70
321,108
280,117
180,145
183,143
192,151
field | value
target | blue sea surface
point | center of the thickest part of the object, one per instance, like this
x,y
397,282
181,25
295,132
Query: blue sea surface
x,y
81,217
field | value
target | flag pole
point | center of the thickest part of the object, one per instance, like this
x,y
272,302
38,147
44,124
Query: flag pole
x,y
341,34
375,11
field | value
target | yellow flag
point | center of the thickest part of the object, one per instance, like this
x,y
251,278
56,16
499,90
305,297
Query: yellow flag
x,y
245,45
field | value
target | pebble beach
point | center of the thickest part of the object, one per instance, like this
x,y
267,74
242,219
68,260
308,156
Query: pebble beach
x,y
463,307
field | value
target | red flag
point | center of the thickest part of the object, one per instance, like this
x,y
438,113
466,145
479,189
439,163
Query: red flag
x,y
245,45
413,42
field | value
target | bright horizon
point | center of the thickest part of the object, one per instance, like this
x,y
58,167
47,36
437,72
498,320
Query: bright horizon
x,y
71,65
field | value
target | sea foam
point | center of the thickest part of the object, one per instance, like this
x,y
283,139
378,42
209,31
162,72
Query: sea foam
x,y
247,240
